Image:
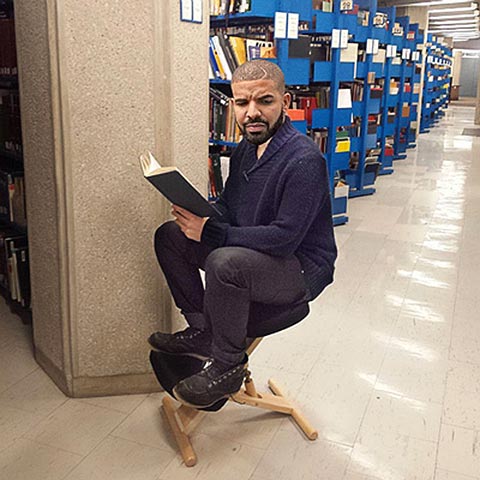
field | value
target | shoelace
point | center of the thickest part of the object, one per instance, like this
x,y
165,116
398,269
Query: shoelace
x,y
209,371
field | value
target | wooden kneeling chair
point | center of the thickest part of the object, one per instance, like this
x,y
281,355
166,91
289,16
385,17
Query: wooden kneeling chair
x,y
171,369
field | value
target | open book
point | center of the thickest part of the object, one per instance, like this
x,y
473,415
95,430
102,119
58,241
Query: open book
x,y
175,187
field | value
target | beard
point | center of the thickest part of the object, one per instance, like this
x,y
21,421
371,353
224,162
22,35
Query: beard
x,y
257,138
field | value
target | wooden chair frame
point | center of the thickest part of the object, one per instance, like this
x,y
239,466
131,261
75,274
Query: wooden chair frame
x,y
183,420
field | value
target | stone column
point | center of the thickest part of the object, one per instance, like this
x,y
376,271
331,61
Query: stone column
x,y
477,107
100,82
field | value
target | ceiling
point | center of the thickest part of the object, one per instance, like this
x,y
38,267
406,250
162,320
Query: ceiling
x,y
458,19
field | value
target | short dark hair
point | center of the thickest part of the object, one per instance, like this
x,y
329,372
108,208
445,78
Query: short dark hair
x,y
259,70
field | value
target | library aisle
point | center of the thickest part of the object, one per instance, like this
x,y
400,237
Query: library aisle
x,y
387,365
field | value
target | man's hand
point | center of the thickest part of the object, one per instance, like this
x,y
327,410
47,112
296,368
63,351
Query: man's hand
x,y
190,224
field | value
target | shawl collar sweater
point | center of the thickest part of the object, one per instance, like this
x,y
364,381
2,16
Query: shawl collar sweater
x,y
279,205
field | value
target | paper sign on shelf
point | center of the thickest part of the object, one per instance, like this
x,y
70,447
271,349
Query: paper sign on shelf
x,y
394,50
292,28
376,44
405,55
280,28
344,39
390,53
197,11
335,38
369,46
186,10
346,5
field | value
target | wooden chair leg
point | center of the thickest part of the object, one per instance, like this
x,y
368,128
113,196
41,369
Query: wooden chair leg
x,y
182,421
276,402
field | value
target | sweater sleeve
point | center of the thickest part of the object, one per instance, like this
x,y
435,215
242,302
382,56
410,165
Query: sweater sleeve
x,y
304,194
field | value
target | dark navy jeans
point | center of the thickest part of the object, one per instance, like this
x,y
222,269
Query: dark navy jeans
x,y
234,277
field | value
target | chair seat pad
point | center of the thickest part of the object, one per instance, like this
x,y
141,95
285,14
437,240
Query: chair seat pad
x,y
171,369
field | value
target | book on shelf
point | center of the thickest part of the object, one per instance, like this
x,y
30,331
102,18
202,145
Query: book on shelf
x,y
8,51
238,48
296,114
320,137
380,56
350,55
376,91
299,47
175,187
380,20
14,271
221,7
322,5
344,98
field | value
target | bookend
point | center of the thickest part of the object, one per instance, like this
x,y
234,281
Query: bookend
x,y
170,369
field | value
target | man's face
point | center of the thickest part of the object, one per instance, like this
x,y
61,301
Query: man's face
x,y
259,109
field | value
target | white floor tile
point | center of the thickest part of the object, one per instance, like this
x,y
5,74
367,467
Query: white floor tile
x,y
291,455
444,475
14,423
76,427
391,414
414,370
147,425
26,459
391,456
334,399
120,459
36,393
217,460
459,450
121,403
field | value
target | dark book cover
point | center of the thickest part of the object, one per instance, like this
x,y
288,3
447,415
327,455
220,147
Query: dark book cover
x,y
171,183
179,191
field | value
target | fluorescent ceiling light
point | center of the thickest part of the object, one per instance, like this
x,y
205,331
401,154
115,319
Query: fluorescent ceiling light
x,y
454,22
452,29
474,14
428,4
471,8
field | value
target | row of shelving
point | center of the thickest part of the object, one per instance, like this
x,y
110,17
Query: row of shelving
x,y
438,64
14,258
370,63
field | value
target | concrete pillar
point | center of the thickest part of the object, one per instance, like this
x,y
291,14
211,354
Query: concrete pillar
x,y
100,82
477,106
457,67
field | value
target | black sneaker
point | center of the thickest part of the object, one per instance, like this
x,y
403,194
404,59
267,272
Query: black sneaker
x,y
191,341
211,384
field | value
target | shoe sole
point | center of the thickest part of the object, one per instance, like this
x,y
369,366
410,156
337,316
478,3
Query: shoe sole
x,y
188,354
192,405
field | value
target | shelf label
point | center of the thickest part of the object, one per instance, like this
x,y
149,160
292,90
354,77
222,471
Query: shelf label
x,y
280,25
376,44
344,39
390,53
369,46
186,10
292,28
197,11
335,38
346,5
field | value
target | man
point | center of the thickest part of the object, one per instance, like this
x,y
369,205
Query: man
x,y
274,243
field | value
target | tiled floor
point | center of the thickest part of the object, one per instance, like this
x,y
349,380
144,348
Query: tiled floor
x,y
387,366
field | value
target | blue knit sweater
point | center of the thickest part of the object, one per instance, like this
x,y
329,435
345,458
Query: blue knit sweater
x,y
279,205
